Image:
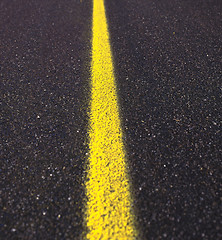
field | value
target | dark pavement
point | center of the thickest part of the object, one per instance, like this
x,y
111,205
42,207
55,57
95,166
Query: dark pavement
x,y
167,57
44,56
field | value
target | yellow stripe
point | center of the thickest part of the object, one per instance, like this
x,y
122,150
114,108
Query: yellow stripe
x,y
108,210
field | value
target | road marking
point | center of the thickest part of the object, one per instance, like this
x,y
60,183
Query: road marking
x,y
109,205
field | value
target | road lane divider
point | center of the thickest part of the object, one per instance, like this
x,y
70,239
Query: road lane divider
x,y
109,213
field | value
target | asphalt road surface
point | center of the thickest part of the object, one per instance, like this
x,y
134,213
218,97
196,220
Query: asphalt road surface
x,y
168,68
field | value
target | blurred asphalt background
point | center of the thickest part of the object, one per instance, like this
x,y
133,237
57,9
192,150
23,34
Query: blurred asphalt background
x,y
167,57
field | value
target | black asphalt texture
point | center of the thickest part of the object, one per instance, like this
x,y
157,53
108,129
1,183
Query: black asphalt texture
x,y
45,48
168,66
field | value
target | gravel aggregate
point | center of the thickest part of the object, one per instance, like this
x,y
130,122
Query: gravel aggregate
x,y
167,57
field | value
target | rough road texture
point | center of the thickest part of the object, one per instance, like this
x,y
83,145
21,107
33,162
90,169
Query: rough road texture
x,y
44,49
168,64
167,57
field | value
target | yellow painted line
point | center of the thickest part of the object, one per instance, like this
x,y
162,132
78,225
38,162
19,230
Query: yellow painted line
x,y
109,205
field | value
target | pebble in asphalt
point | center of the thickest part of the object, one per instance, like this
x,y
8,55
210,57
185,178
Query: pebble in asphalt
x,y
167,56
